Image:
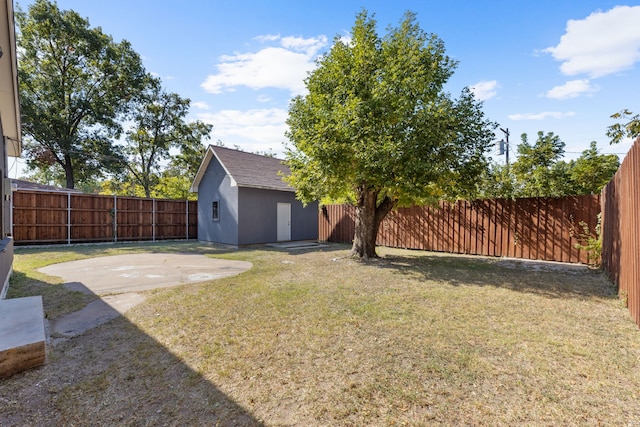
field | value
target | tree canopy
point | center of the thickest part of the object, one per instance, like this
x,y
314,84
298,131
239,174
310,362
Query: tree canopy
x,y
534,168
158,126
592,170
378,128
539,171
628,128
75,84
78,87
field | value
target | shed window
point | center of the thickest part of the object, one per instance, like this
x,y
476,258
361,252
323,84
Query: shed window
x,y
215,210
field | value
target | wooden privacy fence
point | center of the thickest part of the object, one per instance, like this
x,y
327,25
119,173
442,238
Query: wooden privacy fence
x,y
536,228
61,217
621,230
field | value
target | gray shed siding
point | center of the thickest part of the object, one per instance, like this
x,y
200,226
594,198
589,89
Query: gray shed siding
x,y
304,221
216,185
258,216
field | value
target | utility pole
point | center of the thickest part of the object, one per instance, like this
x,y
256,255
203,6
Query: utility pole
x,y
504,147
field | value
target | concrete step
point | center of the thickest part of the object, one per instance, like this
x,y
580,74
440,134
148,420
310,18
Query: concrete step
x,y
22,336
296,245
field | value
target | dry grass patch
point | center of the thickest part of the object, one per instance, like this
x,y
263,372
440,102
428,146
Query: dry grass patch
x,y
317,338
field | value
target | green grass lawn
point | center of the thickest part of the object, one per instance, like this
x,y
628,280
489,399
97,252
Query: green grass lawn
x,y
318,338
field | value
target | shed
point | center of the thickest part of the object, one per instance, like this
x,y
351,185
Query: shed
x,y
242,200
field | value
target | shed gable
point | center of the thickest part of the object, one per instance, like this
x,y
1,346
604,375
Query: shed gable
x,y
246,169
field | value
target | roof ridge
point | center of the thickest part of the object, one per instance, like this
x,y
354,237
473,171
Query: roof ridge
x,y
215,147
253,170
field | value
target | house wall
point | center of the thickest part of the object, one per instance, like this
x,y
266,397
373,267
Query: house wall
x,y
216,185
258,216
6,242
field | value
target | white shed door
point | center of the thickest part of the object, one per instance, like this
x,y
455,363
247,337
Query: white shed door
x,y
284,222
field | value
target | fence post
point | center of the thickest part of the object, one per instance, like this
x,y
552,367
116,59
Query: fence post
x,y
115,218
187,218
153,219
68,218
11,211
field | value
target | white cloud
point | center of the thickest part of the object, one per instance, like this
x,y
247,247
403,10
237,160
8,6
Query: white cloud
x,y
282,67
603,43
167,77
572,89
541,116
485,90
200,105
252,130
267,38
309,46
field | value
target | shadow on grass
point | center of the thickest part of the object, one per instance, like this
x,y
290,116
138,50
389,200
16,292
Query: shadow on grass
x,y
546,279
113,374
56,299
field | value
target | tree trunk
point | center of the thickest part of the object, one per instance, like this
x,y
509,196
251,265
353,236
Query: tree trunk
x,y
369,216
147,189
68,172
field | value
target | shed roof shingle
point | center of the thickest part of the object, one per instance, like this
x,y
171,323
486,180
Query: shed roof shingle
x,y
247,169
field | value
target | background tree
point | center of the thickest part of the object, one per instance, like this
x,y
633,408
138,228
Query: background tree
x,y
159,126
378,128
539,172
629,128
121,187
498,181
186,162
592,170
534,168
174,185
75,82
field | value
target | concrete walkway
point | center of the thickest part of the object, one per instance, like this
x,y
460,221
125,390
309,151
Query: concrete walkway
x,y
141,272
119,279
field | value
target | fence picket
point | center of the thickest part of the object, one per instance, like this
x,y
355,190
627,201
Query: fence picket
x,y
621,230
63,217
521,228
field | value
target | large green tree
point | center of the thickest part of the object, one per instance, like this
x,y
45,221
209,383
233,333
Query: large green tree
x,y
75,84
159,125
378,128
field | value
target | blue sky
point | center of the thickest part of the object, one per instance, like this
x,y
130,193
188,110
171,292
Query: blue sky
x,y
560,66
